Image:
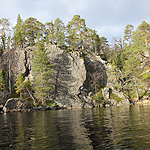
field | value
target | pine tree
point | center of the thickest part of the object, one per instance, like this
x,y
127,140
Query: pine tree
x,y
50,32
76,30
41,71
128,32
131,71
59,30
136,61
19,84
18,34
32,29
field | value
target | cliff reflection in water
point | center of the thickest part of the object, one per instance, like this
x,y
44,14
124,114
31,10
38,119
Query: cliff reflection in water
x,y
125,127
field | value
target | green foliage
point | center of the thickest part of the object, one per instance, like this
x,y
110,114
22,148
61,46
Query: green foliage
x,y
131,60
18,33
75,35
41,72
19,83
115,97
129,56
49,103
2,84
50,32
128,32
146,76
59,29
98,97
36,104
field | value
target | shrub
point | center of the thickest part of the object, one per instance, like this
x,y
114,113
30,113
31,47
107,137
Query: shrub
x,y
49,103
36,104
98,97
115,97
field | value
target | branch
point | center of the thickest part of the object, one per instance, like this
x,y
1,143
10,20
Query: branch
x,y
145,72
144,56
30,94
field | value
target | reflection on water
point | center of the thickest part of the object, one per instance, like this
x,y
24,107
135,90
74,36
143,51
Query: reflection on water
x,y
114,128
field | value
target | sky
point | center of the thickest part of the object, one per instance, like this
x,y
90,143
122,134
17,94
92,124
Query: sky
x,y
107,17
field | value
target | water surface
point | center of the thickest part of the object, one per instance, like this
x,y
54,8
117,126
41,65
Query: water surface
x,y
114,128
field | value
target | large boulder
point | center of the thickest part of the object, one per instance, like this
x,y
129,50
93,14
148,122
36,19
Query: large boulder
x,y
15,104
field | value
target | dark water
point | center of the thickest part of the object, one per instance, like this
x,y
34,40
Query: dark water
x,y
115,128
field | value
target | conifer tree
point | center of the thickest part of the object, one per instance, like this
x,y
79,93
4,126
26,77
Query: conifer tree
x,y
50,32
22,84
19,84
18,33
31,29
59,29
76,30
131,71
128,32
41,71
134,60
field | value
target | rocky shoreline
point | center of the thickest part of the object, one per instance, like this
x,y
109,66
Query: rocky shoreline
x,y
17,105
76,76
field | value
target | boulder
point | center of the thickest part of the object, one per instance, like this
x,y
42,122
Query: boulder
x,y
15,104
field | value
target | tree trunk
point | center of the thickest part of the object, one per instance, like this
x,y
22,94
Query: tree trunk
x,y
9,72
137,92
146,42
43,101
31,95
20,94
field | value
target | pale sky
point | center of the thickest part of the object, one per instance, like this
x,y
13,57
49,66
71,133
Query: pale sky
x,y
107,17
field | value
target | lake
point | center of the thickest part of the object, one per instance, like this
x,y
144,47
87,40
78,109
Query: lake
x,y
111,128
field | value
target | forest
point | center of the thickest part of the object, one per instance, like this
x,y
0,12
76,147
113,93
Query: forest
x,y
128,55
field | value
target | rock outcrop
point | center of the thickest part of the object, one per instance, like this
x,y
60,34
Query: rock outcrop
x,y
111,83
15,104
108,91
69,74
74,76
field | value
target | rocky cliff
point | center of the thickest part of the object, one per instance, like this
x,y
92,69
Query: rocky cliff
x,y
76,75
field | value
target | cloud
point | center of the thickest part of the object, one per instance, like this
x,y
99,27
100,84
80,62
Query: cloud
x,y
107,17
111,31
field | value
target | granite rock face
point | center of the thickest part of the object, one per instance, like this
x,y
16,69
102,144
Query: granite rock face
x,y
69,74
74,76
20,61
